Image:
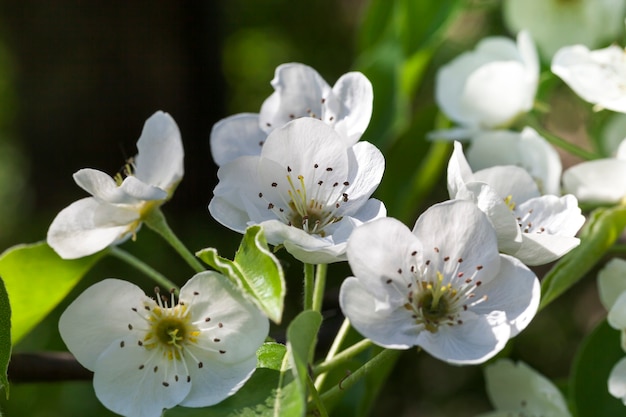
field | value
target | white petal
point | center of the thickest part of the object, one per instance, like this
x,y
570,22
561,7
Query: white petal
x,y
459,230
382,250
366,172
99,317
492,204
159,161
617,380
356,95
216,381
243,327
611,282
527,150
236,136
473,342
509,180
103,187
596,76
514,291
459,171
617,313
299,90
539,249
126,389
515,387
601,180
88,226
386,325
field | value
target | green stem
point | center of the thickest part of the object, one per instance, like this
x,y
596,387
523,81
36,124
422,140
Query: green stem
x,y
334,348
377,361
309,270
560,142
320,286
156,221
155,275
342,357
317,403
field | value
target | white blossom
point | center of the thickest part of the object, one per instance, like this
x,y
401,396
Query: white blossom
x,y
307,189
443,286
148,356
299,92
119,204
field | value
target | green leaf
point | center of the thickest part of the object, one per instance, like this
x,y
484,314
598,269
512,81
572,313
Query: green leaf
x,y
278,386
601,231
5,337
37,279
270,355
421,23
589,393
255,270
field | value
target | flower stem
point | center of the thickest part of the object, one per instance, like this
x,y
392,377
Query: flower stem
x,y
156,221
317,403
309,270
377,361
334,348
320,285
560,142
155,275
343,357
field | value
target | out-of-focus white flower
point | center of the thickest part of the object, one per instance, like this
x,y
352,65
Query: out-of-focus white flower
x,y
556,23
299,92
515,389
600,180
534,228
598,77
307,189
489,87
118,205
147,356
443,286
527,150
612,290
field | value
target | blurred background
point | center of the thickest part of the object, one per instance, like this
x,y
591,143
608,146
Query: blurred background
x,y
78,79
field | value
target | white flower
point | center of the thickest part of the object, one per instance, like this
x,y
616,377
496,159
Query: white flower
x,y
489,87
307,189
515,389
443,286
118,205
612,290
600,180
556,23
299,92
147,356
534,228
527,149
598,77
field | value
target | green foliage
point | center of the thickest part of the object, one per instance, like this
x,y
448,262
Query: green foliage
x,y
255,269
601,231
5,337
37,279
271,355
589,392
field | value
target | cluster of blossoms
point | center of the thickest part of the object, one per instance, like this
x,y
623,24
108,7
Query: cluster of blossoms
x,y
458,284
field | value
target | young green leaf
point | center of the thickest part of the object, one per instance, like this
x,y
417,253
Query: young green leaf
x,y
589,391
255,269
601,231
37,279
5,337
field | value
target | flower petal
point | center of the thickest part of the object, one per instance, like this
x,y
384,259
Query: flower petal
x,y
509,181
601,180
129,389
87,226
356,95
365,175
617,313
159,161
617,380
473,342
514,291
611,282
459,171
99,317
104,188
377,319
236,136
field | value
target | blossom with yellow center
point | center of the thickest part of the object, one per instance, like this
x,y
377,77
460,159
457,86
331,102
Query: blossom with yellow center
x,y
307,189
148,355
119,204
443,286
